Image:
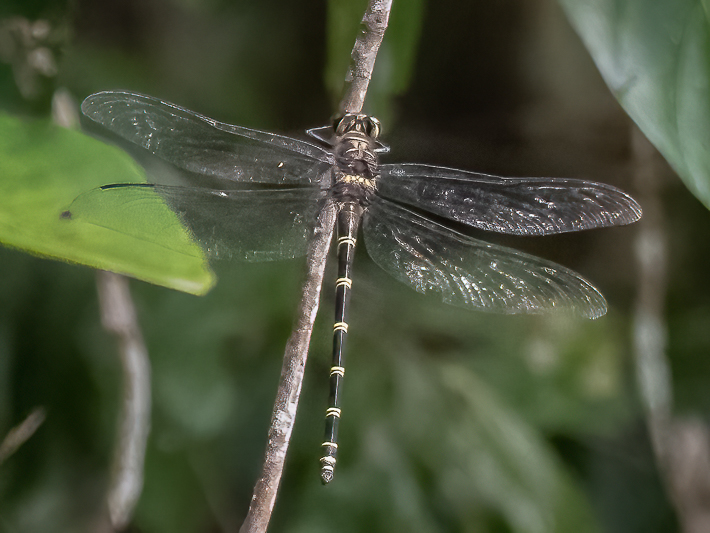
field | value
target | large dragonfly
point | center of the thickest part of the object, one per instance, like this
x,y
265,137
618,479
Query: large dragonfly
x,y
257,197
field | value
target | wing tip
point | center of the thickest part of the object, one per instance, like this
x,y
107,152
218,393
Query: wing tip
x,y
635,208
592,302
593,312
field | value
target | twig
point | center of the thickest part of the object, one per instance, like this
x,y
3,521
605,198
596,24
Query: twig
x,y
282,420
653,373
118,316
362,60
681,447
374,24
18,435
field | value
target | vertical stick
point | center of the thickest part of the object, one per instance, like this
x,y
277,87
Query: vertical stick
x,y
357,80
362,60
284,415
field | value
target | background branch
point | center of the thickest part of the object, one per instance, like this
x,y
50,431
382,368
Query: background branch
x,y
118,316
18,435
681,447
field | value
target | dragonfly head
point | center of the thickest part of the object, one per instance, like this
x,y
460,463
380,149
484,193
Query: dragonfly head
x,y
365,127
356,122
351,125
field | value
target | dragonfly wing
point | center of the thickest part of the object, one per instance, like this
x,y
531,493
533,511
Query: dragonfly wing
x,y
245,225
518,206
202,145
470,273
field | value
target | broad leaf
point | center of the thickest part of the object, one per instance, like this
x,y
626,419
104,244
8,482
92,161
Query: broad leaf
x,y
655,58
44,167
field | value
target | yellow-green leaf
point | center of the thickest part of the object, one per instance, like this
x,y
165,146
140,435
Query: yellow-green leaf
x,y
43,168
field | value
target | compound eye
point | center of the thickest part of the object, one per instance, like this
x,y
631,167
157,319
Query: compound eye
x,y
338,124
373,127
346,123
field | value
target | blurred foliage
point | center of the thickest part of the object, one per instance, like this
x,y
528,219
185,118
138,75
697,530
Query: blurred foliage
x,y
656,60
452,421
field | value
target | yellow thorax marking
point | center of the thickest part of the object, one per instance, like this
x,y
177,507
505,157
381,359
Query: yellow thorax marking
x,y
360,180
337,371
340,326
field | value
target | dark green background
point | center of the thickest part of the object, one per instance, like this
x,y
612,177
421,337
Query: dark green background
x,y
452,420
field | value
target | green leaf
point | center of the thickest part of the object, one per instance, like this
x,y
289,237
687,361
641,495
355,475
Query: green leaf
x,y
655,58
44,167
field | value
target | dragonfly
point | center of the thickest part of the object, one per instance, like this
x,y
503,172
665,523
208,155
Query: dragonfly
x,y
255,196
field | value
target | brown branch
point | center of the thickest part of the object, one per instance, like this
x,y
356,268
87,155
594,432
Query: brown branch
x,y
653,373
362,60
289,389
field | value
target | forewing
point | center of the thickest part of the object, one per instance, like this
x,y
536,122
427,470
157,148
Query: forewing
x,y
202,145
470,273
518,206
245,225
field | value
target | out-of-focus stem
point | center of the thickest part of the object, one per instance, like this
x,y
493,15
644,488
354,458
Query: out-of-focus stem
x,y
652,369
118,317
681,446
18,435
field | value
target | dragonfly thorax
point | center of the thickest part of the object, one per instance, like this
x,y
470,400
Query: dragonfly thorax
x,y
354,154
355,144
353,188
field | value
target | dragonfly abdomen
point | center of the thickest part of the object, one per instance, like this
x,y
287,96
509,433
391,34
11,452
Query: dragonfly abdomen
x,y
347,226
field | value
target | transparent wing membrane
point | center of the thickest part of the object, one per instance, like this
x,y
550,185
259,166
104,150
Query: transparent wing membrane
x,y
518,206
205,146
245,225
469,273
275,217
